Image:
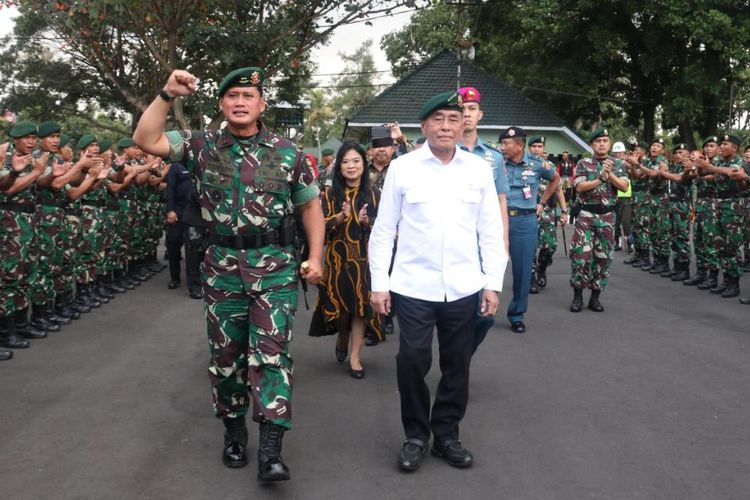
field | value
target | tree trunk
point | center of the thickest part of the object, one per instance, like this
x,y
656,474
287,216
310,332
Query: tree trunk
x,y
649,121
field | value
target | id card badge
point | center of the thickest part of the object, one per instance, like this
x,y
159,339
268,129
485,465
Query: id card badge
x,y
526,192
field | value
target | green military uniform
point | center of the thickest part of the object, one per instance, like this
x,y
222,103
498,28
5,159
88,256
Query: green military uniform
x,y
641,204
547,220
680,209
249,188
704,229
658,221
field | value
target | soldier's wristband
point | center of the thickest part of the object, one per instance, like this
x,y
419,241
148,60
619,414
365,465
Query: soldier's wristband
x,y
163,94
14,173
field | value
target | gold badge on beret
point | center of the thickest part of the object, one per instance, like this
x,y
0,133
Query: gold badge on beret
x,y
511,132
726,137
542,139
470,93
606,132
255,78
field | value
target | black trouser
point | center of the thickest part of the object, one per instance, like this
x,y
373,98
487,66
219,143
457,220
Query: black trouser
x,y
195,248
174,245
455,322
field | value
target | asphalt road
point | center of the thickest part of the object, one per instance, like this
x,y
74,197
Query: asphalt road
x,y
648,400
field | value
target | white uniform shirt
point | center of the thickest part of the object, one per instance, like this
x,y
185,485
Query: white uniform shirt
x,y
445,216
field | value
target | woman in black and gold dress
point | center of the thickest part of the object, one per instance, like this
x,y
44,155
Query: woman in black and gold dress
x,y
343,304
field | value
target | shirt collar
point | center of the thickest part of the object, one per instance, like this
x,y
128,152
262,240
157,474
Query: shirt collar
x,y
426,154
263,137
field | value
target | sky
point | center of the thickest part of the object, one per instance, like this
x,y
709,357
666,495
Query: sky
x,y
345,39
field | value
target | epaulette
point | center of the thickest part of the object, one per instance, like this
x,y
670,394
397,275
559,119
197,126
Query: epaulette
x,y
494,146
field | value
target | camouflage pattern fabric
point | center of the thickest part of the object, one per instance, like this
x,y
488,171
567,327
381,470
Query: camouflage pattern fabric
x,y
90,253
16,240
126,221
731,212
679,218
247,187
593,241
658,221
47,256
71,245
641,213
547,240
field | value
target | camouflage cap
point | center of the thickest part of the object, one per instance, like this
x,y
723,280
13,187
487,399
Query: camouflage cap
x,y
22,129
447,100
86,140
600,132
712,138
125,142
512,133
537,139
731,138
470,94
326,152
46,129
105,144
65,139
243,77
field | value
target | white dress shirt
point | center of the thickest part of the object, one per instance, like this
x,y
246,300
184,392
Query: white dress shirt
x,y
446,217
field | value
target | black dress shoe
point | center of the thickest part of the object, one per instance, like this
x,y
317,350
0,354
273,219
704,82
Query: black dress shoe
x,y
196,294
358,374
454,452
411,454
518,327
173,284
341,354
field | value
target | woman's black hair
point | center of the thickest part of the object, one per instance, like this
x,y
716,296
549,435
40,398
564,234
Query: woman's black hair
x,y
339,183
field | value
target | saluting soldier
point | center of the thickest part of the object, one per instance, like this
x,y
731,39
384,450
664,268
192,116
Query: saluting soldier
x,y
547,215
471,142
597,181
524,173
251,182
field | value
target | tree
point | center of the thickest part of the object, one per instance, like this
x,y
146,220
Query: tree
x,y
119,52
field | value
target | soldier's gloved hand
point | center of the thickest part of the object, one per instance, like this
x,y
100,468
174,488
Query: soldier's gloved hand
x,y
312,271
180,83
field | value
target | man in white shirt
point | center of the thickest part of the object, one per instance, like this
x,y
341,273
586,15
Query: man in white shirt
x,y
443,204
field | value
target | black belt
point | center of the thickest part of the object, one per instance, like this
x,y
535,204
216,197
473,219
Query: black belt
x,y
54,204
598,209
281,236
515,212
92,203
26,208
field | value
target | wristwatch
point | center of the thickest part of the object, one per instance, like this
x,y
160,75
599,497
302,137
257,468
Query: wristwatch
x,y
163,94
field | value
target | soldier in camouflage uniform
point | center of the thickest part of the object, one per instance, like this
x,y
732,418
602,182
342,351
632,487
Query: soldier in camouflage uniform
x,y
641,203
658,222
746,160
547,216
251,181
596,182
704,229
680,207
19,174
744,179
730,191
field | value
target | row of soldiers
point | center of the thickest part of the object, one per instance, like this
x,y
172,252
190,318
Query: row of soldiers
x,y
77,227
709,188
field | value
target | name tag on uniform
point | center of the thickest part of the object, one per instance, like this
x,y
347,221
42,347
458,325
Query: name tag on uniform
x,y
526,192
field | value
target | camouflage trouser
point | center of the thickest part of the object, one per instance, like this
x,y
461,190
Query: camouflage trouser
x,y
138,231
641,214
730,235
90,250
591,250
704,234
747,229
112,248
124,234
16,240
250,299
547,240
155,227
70,244
46,254
679,217
108,220
659,225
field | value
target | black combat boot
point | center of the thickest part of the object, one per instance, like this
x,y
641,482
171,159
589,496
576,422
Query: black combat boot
x,y
122,280
594,304
733,287
541,276
577,303
8,334
64,305
235,442
630,261
39,319
84,297
270,465
533,288
26,330
101,292
6,354
646,263
660,265
682,271
54,317
110,285
711,280
700,275
719,288
669,272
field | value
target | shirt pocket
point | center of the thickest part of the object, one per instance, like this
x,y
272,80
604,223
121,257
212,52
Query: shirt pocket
x,y
271,187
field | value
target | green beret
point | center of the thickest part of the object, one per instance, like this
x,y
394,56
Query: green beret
x,y
85,141
105,144
125,142
22,129
713,138
46,129
446,100
243,77
657,141
644,145
65,139
732,138
537,139
600,132
679,146
326,152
